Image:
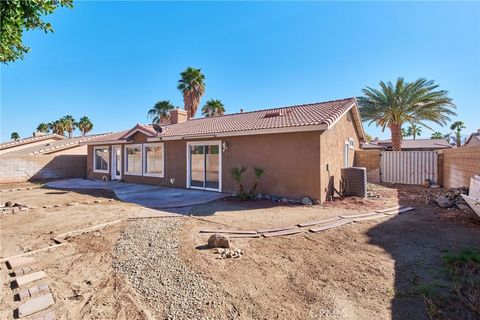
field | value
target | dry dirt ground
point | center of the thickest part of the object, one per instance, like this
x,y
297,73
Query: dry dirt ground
x,y
160,269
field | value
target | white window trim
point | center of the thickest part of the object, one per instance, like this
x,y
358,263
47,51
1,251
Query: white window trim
x,y
125,162
220,152
144,166
94,160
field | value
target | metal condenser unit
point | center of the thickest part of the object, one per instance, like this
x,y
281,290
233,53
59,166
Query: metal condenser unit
x,y
355,181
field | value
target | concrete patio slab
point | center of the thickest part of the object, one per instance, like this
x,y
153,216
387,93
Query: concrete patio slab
x,y
151,196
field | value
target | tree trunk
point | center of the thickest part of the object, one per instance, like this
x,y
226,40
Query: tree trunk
x,y
396,131
459,140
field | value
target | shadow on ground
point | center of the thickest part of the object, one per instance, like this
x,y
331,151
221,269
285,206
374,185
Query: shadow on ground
x,y
418,241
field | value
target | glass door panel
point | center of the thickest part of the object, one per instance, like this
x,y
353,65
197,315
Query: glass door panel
x,y
197,166
212,173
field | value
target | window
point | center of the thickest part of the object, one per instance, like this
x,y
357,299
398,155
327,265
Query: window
x,y
101,157
133,159
154,159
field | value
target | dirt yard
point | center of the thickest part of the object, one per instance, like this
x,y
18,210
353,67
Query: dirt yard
x,y
403,267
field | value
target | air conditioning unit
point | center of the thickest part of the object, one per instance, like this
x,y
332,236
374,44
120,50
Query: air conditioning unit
x,y
355,181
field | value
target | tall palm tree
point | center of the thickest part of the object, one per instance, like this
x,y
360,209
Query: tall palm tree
x,y
437,135
414,130
404,133
57,127
69,124
85,125
161,111
457,127
192,86
42,127
212,108
415,102
15,136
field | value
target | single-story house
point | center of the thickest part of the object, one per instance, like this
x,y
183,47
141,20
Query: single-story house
x,y
302,149
409,145
473,139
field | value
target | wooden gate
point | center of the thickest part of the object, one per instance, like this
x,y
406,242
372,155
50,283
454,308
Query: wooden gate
x,y
408,167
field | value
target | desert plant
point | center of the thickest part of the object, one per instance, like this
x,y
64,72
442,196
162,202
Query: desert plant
x,y
258,174
414,131
237,173
85,125
436,135
212,108
42,127
393,105
69,124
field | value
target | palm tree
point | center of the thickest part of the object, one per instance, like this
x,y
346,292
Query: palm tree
x,y
404,133
15,136
57,127
161,111
212,108
457,127
414,130
415,102
69,124
437,135
192,86
42,127
85,125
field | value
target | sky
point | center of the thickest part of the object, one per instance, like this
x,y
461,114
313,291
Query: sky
x,y
111,61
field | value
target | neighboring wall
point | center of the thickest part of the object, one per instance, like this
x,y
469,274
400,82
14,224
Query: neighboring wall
x,y
459,165
370,159
332,152
20,168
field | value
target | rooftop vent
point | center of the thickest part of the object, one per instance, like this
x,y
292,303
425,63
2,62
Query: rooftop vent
x,y
277,113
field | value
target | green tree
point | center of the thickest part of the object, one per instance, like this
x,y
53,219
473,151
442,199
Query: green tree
x,y
437,135
19,15
457,128
413,131
192,86
161,111
15,136
42,127
368,137
85,125
69,124
404,133
57,127
212,108
393,105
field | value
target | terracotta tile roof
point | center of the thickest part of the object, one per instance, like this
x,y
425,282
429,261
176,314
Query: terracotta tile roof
x,y
59,145
291,116
12,143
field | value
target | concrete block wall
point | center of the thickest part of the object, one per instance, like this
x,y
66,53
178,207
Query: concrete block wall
x,y
369,159
20,168
459,165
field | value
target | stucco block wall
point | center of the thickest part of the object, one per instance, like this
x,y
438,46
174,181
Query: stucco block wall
x,y
370,159
20,168
332,144
459,165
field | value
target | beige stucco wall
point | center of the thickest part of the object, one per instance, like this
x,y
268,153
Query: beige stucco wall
x,y
332,144
294,163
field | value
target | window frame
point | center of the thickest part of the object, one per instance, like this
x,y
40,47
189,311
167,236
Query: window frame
x,y
125,159
95,148
144,160
351,143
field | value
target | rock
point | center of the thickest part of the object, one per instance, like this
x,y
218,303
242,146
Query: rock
x,y
284,200
259,196
306,201
275,198
444,202
8,204
267,197
218,240
316,202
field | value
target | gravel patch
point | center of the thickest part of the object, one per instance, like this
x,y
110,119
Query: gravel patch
x,y
147,253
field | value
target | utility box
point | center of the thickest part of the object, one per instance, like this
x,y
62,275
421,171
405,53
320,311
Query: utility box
x,y
355,181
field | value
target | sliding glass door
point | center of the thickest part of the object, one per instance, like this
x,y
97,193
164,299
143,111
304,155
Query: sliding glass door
x,y
204,165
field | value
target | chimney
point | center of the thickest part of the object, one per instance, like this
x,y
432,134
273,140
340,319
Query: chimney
x,y
241,110
178,116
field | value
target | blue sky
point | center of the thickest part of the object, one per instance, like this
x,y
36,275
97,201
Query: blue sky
x,y
112,61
